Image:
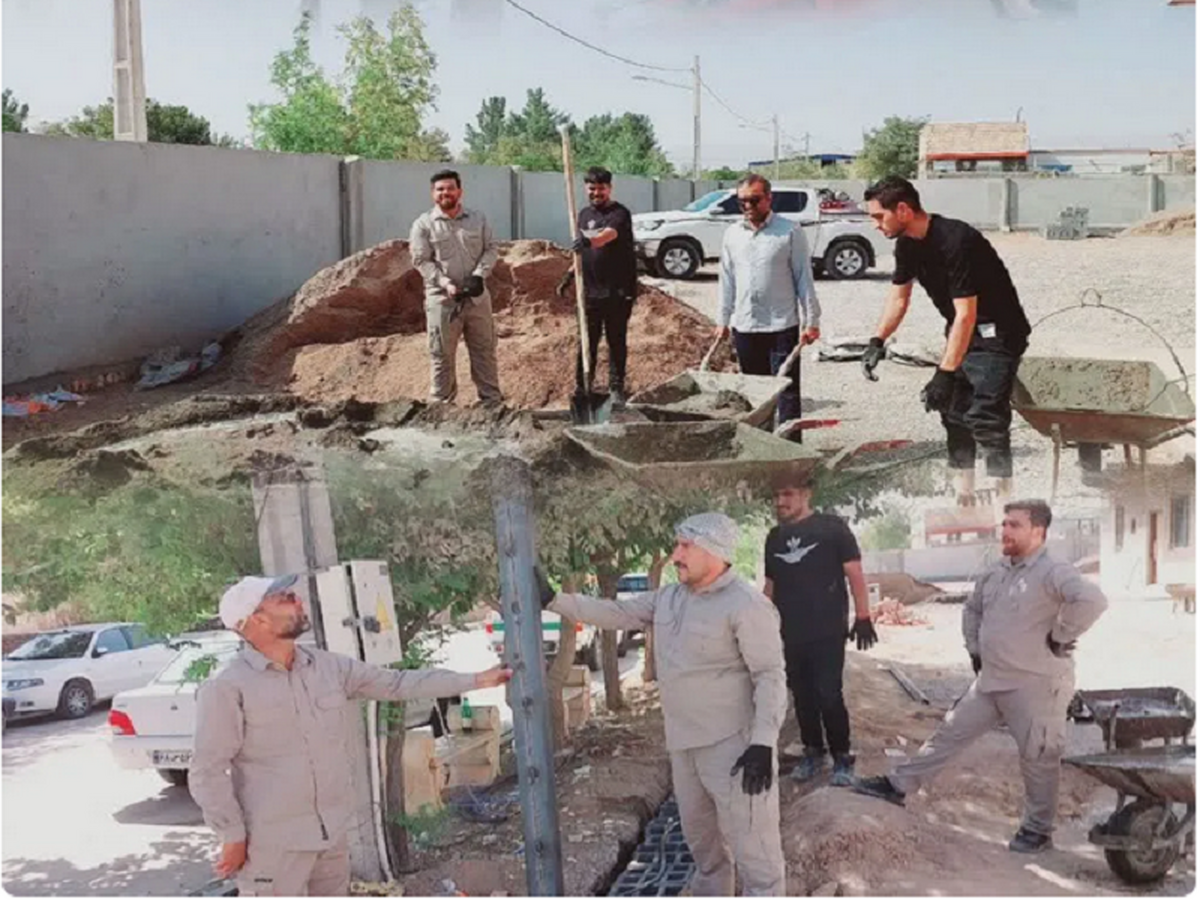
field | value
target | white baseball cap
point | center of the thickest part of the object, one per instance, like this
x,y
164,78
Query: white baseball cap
x,y
240,601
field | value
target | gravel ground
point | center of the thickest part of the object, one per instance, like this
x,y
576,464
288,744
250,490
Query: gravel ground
x,y
1150,277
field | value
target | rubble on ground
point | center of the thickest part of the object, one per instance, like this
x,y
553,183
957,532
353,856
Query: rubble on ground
x,y
903,587
1169,222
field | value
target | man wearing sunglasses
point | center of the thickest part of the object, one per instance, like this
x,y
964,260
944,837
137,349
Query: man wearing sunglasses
x,y
270,766
768,301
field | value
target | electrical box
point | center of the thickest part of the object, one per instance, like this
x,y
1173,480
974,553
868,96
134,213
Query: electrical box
x,y
358,612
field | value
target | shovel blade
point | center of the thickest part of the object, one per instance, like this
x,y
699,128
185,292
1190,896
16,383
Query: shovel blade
x,y
592,408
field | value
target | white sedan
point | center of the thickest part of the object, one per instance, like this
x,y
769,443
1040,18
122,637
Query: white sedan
x,y
68,671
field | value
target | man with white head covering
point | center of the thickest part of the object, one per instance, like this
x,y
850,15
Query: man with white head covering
x,y
270,768
724,695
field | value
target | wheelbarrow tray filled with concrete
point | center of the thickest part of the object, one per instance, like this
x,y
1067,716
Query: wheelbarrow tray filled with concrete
x,y
1100,401
697,395
683,456
1131,715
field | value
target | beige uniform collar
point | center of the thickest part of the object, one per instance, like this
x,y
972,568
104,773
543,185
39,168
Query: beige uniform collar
x,y
1026,561
439,213
721,583
260,663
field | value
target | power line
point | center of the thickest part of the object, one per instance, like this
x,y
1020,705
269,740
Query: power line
x,y
729,109
581,41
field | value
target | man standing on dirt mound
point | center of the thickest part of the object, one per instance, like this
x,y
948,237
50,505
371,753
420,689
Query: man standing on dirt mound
x,y
1020,626
986,329
724,696
604,239
767,298
809,557
453,249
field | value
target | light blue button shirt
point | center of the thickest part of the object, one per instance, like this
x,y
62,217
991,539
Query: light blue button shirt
x,y
766,278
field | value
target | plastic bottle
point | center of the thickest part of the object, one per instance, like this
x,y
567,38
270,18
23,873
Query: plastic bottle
x,y
468,715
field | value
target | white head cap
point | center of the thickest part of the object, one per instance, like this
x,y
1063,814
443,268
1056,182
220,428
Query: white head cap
x,y
714,531
240,601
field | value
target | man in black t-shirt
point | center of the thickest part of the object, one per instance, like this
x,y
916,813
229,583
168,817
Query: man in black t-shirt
x,y
809,556
605,241
986,329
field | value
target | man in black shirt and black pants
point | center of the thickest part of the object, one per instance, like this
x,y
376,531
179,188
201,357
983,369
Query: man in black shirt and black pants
x,y
986,328
605,240
809,556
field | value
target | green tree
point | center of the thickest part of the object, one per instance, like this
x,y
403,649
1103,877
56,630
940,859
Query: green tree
x,y
890,531
623,144
724,173
483,138
15,113
165,124
374,109
891,149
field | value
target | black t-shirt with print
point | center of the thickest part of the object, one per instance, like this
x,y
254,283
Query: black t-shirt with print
x,y
611,269
805,561
954,260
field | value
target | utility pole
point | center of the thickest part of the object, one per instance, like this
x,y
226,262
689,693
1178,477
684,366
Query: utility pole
x,y
775,126
696,118
129,77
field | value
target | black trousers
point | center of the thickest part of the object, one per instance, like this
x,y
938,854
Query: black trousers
x,y
762,353
608,318
980,412
814,674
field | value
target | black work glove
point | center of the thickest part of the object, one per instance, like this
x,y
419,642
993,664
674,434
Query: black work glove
x,y
1062,651
937,394
977,663
473,286
864,631
546,593
583,242
565,282
756,767
872,356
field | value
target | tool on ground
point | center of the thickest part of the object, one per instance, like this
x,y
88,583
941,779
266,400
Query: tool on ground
x,y
793,359
588,407
711,350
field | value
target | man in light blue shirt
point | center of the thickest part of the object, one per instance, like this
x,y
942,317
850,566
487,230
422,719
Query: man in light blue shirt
x,y
768,299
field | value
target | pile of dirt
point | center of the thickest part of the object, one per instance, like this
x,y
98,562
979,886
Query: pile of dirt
x,y
903,587
357,329
1170,222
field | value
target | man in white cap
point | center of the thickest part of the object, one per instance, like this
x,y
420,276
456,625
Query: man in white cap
x,y
720,665
270,768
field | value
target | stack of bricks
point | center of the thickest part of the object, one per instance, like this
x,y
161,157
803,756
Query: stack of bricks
x,y
1072,225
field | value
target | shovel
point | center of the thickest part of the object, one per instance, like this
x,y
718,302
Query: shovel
x,y
587,406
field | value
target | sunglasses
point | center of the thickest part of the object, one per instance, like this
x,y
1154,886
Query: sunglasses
x,y
751,201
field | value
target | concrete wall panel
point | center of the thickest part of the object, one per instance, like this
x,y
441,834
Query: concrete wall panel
x,y
674,193
1112,202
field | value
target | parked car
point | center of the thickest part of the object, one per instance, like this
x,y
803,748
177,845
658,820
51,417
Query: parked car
x,y
627,586
587,641
153,726
843,241
69,670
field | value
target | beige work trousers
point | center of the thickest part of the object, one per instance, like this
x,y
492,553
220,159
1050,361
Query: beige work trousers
x,y
275,872
475,325
717,815
1036,716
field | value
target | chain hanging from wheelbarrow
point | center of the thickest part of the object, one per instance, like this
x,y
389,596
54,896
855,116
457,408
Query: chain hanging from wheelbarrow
x,y
1096,403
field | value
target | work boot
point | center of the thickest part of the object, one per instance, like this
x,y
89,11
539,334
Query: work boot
x,y
1026,841
619,398
880,787
843,770
962,481
810,766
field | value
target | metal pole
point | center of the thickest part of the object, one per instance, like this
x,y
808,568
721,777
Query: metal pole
x,y
695,118
775,125
129,80
512,504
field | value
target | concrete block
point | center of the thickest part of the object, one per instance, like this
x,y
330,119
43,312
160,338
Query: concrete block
x,y
578,676
579,705
483,718
421,777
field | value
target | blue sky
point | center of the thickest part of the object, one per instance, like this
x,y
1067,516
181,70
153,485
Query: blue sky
x,y
1114,73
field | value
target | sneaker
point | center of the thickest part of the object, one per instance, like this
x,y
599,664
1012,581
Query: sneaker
x,y
843,770
1026,841
880,787
619,400
810,766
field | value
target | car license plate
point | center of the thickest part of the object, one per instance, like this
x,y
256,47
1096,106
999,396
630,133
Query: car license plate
x,y
171,759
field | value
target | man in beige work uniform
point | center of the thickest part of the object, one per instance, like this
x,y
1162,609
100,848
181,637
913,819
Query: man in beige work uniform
x,y
1020,626
453,249
724,696
270,768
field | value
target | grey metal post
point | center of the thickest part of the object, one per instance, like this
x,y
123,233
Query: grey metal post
x,y
512,504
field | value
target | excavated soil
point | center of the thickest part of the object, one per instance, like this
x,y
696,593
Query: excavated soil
x,y
1170,222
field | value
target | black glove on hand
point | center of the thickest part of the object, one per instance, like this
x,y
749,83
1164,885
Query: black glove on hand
x,y
583,242
565,282
939,391
546,593
976,663
863,630
872,356
473,286
1062,651
756,767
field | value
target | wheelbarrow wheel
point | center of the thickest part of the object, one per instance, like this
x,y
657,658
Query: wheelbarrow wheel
x,y
1140,820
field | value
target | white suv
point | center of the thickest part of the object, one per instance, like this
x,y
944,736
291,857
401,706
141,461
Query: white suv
x,y
843,241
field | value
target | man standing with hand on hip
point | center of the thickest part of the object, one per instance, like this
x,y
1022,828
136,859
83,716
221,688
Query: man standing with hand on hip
x,y
720,671
986,329
767,297
453,249
270,767
1020,627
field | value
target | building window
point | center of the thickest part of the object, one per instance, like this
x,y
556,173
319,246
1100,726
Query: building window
x,y
1119,527
1181,521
